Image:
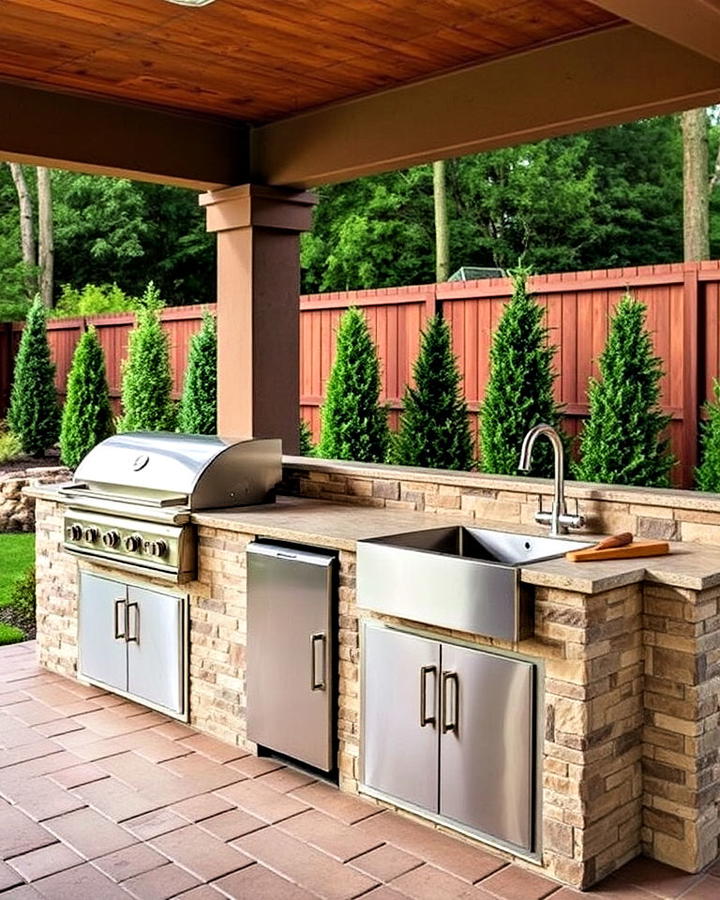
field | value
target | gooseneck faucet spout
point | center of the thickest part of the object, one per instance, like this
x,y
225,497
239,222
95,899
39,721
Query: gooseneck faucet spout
x,y
558,518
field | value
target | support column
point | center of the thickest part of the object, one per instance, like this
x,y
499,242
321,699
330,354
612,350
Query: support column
x,y
258,315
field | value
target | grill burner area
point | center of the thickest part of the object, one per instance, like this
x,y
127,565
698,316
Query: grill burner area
x,y
130,506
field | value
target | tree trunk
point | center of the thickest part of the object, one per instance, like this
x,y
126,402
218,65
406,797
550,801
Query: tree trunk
x,y
442,242
46,246
27,236
696,225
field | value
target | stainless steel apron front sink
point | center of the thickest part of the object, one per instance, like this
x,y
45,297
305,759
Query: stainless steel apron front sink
x,y
462,578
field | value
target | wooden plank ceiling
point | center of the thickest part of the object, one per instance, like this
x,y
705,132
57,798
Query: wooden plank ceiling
x,y
259,61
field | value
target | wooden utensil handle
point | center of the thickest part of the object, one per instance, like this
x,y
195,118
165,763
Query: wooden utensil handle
x,y
615,540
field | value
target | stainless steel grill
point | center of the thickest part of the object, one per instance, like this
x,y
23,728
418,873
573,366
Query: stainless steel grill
x,y
130,504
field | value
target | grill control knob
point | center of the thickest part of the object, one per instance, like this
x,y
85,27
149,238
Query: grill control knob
x,y
111,539
75,532
91,535
158,548
133,542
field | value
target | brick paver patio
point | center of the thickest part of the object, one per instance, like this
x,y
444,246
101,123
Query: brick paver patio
x,y
101,798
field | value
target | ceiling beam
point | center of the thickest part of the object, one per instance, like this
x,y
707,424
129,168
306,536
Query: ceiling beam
x,y
694,24
106,138
604,78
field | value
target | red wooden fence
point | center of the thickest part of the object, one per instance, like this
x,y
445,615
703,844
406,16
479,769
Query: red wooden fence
x,y
683,302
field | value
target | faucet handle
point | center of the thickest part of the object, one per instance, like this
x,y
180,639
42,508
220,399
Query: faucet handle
x,y
540,503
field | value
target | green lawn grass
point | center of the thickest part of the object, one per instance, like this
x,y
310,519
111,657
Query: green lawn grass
x,y
17,552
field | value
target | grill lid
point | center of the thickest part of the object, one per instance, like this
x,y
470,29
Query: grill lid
x,y
166,469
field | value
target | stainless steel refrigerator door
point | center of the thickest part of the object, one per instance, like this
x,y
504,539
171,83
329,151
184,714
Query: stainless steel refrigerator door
x,y
290,670
486,746
400,691
101,638
155,647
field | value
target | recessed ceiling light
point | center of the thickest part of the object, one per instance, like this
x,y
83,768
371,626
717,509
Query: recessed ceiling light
x,y
191,2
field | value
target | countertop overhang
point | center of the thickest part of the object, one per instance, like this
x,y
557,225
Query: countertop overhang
x,y
340,525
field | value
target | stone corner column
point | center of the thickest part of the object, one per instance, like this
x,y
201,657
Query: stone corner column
x,y
258,287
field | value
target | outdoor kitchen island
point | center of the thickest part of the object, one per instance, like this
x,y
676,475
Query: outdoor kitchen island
x,y
627,653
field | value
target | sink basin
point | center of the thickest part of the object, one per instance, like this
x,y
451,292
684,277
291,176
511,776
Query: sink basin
x,y
455,577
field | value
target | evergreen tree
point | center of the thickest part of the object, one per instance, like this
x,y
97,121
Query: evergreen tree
x,y
306,446
621,442
354,424
434,430
198,406
34,414
87,417
707,475
519,391
147,379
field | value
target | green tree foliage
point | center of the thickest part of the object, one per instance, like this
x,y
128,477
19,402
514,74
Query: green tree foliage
x,y
306,446
87,416
519,393
112,230
707,475
354,424
198,406
610,197
147,378
34,414
622,441
93,300
434,430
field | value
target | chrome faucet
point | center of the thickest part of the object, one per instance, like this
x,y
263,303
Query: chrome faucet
x,y
558,519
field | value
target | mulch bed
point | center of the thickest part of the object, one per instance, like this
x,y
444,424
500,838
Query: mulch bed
x,y
51,458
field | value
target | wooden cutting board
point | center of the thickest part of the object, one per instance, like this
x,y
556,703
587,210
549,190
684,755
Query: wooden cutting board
x,y
636,548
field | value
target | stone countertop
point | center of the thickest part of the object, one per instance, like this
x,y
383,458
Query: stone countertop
x,y
339,525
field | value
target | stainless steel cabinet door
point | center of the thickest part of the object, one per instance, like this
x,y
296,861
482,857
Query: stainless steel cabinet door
x,y
155,647
290,670
101,636
400,714
486,746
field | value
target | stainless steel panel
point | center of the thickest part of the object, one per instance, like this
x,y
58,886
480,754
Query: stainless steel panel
x,y
204,471
179,558
467,579
440,590
487,756
155,634
101,631
290,677
400,685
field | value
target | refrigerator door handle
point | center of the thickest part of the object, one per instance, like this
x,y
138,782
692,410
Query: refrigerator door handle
x,y
447,679
318,684
425,719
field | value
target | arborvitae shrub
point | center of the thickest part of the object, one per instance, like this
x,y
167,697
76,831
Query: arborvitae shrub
x,y
87,417
147,379
622,441
198,406
354,424
34,414
519,391
307,448
434,429
707,475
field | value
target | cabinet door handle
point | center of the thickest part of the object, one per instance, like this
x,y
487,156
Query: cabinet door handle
x,y
318,684
425,719
450,678
119,635
135,638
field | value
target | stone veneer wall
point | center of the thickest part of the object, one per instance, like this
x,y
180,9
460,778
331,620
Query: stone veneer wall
x,y
17,510
664,514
